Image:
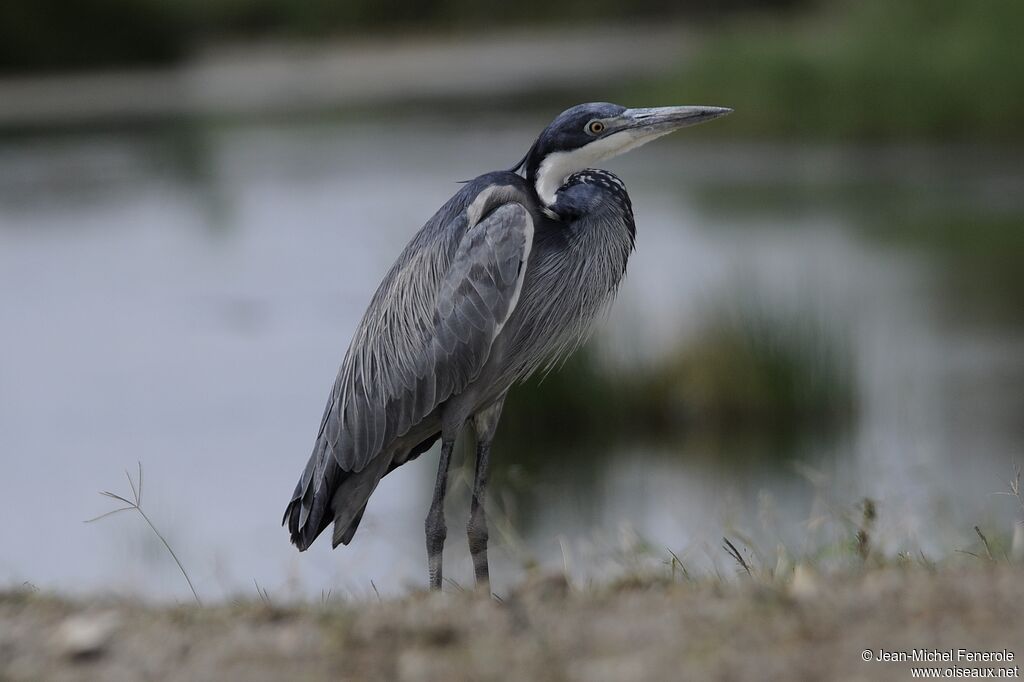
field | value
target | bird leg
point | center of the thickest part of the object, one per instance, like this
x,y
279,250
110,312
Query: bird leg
x,y
477,527
434,525
485,422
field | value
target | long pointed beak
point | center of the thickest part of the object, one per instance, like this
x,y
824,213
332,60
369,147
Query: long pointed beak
x,y
662,120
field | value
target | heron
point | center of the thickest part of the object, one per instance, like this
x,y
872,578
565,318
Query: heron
x,y
506,279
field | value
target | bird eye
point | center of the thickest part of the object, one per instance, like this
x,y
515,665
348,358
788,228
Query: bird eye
x,y
595,127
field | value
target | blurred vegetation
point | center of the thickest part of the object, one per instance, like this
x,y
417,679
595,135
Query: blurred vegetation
x,y
865,69
980,258
749,367
746,370
856,69
78,34
46,35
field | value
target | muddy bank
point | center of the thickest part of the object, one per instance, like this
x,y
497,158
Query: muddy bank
x,y
814,629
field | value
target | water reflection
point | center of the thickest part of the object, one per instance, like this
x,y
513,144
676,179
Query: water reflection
x,y
183,297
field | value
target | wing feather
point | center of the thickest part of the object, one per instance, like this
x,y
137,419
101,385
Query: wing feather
x,y
427,334
474,298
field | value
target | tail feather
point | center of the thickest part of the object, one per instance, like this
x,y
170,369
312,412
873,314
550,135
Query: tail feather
x,y
351,495
337,496
349,531
303,536
307,514
328,494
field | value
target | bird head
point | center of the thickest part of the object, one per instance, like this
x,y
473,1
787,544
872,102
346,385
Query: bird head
x,y
586,134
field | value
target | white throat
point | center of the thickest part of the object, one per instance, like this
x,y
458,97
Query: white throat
x,y
558,166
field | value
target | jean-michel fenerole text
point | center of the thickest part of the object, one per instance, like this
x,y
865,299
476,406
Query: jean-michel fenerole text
x,y
951,655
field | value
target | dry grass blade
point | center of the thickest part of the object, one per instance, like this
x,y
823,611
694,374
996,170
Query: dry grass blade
x,y
135,493
458,587
735,554
867,523
117,497
676,561
262,592
109,513
1015,487
136,504
984,540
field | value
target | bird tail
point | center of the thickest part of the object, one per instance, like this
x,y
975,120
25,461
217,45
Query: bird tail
x,y
307,513
326,493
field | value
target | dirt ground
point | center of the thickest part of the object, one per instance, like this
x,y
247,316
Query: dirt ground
x,y
811,628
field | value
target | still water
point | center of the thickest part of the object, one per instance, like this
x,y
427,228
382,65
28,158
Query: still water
x,y
182,298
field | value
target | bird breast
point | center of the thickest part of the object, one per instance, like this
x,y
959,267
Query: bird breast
x,y
569,283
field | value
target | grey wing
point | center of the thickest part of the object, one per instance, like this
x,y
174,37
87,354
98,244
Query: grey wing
x,y
472,302
476,298
415,349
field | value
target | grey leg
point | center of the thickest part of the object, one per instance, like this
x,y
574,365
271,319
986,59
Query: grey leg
x,y
435,528
477,528
486,422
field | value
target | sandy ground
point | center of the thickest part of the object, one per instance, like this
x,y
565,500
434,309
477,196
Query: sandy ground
x,y
810,629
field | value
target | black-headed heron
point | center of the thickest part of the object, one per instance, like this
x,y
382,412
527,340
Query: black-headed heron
x,y
506,278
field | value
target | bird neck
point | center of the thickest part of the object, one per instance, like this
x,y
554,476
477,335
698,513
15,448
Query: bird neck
x,y
548,171
594,194
549,176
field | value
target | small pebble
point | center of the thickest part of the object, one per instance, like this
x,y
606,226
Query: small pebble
x,y
85,635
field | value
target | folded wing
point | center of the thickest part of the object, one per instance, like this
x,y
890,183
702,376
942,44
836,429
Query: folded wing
x,y
427,334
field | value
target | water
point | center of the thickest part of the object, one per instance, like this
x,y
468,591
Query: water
x,y
182,297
